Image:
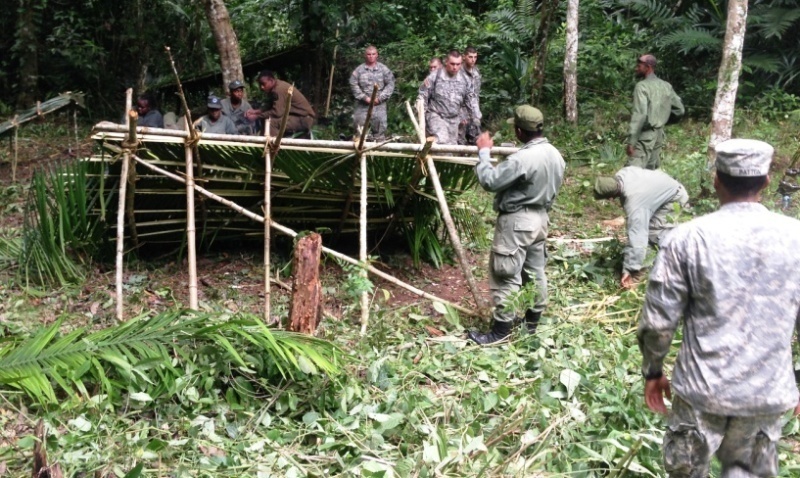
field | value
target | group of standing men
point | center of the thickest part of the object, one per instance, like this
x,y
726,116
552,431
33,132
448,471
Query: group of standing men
x,y
731,277
449,94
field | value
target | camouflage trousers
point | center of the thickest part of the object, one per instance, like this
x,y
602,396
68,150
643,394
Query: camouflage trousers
x,y
647,151
467,132
660,223
746,446
518,257
378,122
445,129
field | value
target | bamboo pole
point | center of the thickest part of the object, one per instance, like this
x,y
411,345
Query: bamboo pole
x,y
455,240
16,152
289,232
130,118
268,216
190,225
148,134
330,79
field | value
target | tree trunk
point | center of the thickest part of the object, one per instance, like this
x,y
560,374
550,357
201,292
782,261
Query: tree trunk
x,y
306,292
547,13
227,44
26,51
571,64
728,79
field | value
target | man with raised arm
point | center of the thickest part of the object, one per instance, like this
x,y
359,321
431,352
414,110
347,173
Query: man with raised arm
x,y
732,278
525,186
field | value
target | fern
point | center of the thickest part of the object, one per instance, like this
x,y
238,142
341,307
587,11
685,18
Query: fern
x,y
692,39
772,22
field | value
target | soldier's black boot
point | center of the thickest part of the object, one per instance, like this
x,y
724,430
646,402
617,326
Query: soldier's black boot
x,y
532,320
498,332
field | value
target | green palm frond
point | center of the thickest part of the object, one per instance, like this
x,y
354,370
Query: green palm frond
x,y
140,355
654,11
763,62
772,22
691,39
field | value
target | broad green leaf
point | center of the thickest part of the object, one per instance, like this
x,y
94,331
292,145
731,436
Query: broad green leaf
x,y
570,379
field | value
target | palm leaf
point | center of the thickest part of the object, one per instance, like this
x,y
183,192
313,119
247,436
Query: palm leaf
x,y
138,355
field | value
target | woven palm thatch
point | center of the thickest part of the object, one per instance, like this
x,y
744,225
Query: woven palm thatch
x,y
43,108
314,186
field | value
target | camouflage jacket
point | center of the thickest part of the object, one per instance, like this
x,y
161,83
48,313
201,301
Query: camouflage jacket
x,y
475,76
653,102
530,177
445,95
363,79
734,278
643,192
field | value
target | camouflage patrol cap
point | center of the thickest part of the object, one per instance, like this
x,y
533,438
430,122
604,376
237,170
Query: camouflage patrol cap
x,y
528,118
605,187
214,103
235,85
744,157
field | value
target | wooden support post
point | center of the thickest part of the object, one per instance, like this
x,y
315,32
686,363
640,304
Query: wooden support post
x,y
289,232
267,219
191,244
131,118
455,240
330,79
16,151
306,311
362,237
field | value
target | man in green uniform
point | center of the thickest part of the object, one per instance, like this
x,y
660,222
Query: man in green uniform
x,y
648,197
654,101
214,121
301,114
525,185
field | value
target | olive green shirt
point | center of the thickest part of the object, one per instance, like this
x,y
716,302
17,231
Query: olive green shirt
x,y
643,192
653,102
530,177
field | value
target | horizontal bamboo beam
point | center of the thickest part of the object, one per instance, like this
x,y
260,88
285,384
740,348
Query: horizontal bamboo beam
x,y
108,129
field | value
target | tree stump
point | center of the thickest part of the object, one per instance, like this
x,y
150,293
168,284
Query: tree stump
x,y
306,311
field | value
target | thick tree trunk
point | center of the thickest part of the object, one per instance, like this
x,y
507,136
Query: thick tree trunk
x,y
26,51
306,292
547,13
571,64
728,79
227,44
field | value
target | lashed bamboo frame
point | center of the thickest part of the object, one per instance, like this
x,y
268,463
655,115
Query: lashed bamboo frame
x,y
426,150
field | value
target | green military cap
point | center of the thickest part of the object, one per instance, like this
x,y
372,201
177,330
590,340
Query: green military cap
x,y
744,157
605,187
214,103
528,118
235,85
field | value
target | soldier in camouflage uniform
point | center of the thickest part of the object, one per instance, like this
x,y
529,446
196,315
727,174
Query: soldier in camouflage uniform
x,y
443,93
525,185
653,102
468,131
648,197
734,278
362,81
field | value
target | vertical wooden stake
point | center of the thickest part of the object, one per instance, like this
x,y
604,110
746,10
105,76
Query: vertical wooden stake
x,y
16,150
306,309
330,80
267,221
191,227
362,242
131,118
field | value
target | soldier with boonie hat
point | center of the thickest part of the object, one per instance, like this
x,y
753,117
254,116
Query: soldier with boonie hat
x,y
733,278
235,106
